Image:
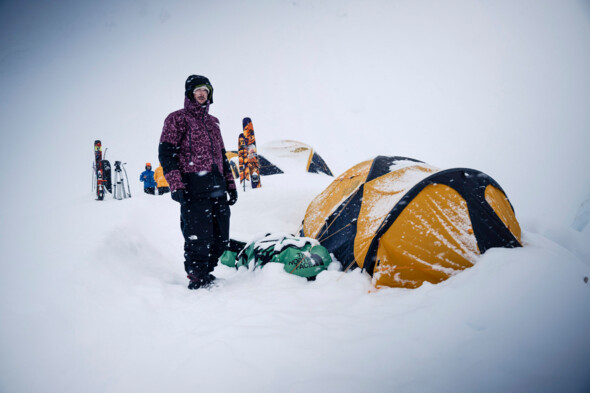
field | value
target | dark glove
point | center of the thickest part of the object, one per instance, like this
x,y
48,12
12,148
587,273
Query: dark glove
x,y
179,196
233,197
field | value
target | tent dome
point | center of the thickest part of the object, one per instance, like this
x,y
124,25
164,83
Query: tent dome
x,y
280,156
406,222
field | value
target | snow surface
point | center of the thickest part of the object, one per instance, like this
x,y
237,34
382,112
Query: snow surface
x,y
581,221
94,296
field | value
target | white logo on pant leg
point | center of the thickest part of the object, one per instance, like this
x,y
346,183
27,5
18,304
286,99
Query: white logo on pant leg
x,y
193,237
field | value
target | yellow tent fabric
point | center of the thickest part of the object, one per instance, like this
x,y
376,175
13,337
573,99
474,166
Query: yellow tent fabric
x,y
406,222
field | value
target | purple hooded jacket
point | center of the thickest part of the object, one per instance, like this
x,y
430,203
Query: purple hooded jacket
x,y
192,152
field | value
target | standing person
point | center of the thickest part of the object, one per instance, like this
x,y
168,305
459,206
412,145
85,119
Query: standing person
x,y
147,177
161,182
192,154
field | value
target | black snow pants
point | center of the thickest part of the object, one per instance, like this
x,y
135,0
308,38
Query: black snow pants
x,y
205,226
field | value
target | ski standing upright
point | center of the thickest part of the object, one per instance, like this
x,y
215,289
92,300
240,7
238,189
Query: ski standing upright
x,y
101,172
252,154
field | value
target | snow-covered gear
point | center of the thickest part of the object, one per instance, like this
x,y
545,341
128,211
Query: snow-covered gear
x,y
301,256
195,81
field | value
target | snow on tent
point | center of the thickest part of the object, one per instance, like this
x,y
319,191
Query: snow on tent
x,y
406,222
266,167
275,157
295,156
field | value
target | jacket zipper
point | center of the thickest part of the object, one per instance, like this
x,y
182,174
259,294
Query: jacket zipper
x,y
213,164
190,146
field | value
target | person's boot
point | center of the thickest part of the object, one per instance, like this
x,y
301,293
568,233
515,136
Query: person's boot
x,y
200,282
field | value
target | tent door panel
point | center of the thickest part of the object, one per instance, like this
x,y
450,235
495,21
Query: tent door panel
x,y
430,240
499,202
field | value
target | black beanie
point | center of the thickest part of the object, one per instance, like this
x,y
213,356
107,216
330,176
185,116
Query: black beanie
x,y
194,81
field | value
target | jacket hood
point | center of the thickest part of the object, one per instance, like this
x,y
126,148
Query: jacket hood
x,y
197,80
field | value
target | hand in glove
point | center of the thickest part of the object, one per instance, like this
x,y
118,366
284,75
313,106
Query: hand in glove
x,y
233,197
179,196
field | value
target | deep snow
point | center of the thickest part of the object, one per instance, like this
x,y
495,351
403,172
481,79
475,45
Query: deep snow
x,y
93,294
112,313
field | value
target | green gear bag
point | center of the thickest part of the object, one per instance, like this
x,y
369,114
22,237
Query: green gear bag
x,y
301,256
228,258
307,262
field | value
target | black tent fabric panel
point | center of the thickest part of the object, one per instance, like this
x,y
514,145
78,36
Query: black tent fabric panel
x,y
340,227
318,165
267,168
382,165
488,228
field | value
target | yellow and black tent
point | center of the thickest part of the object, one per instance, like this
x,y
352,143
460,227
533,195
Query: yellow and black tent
x,y
295,155
280,156
266,167
406,222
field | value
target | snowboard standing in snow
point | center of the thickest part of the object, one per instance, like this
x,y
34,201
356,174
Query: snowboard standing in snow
x,y
243,160
253,166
